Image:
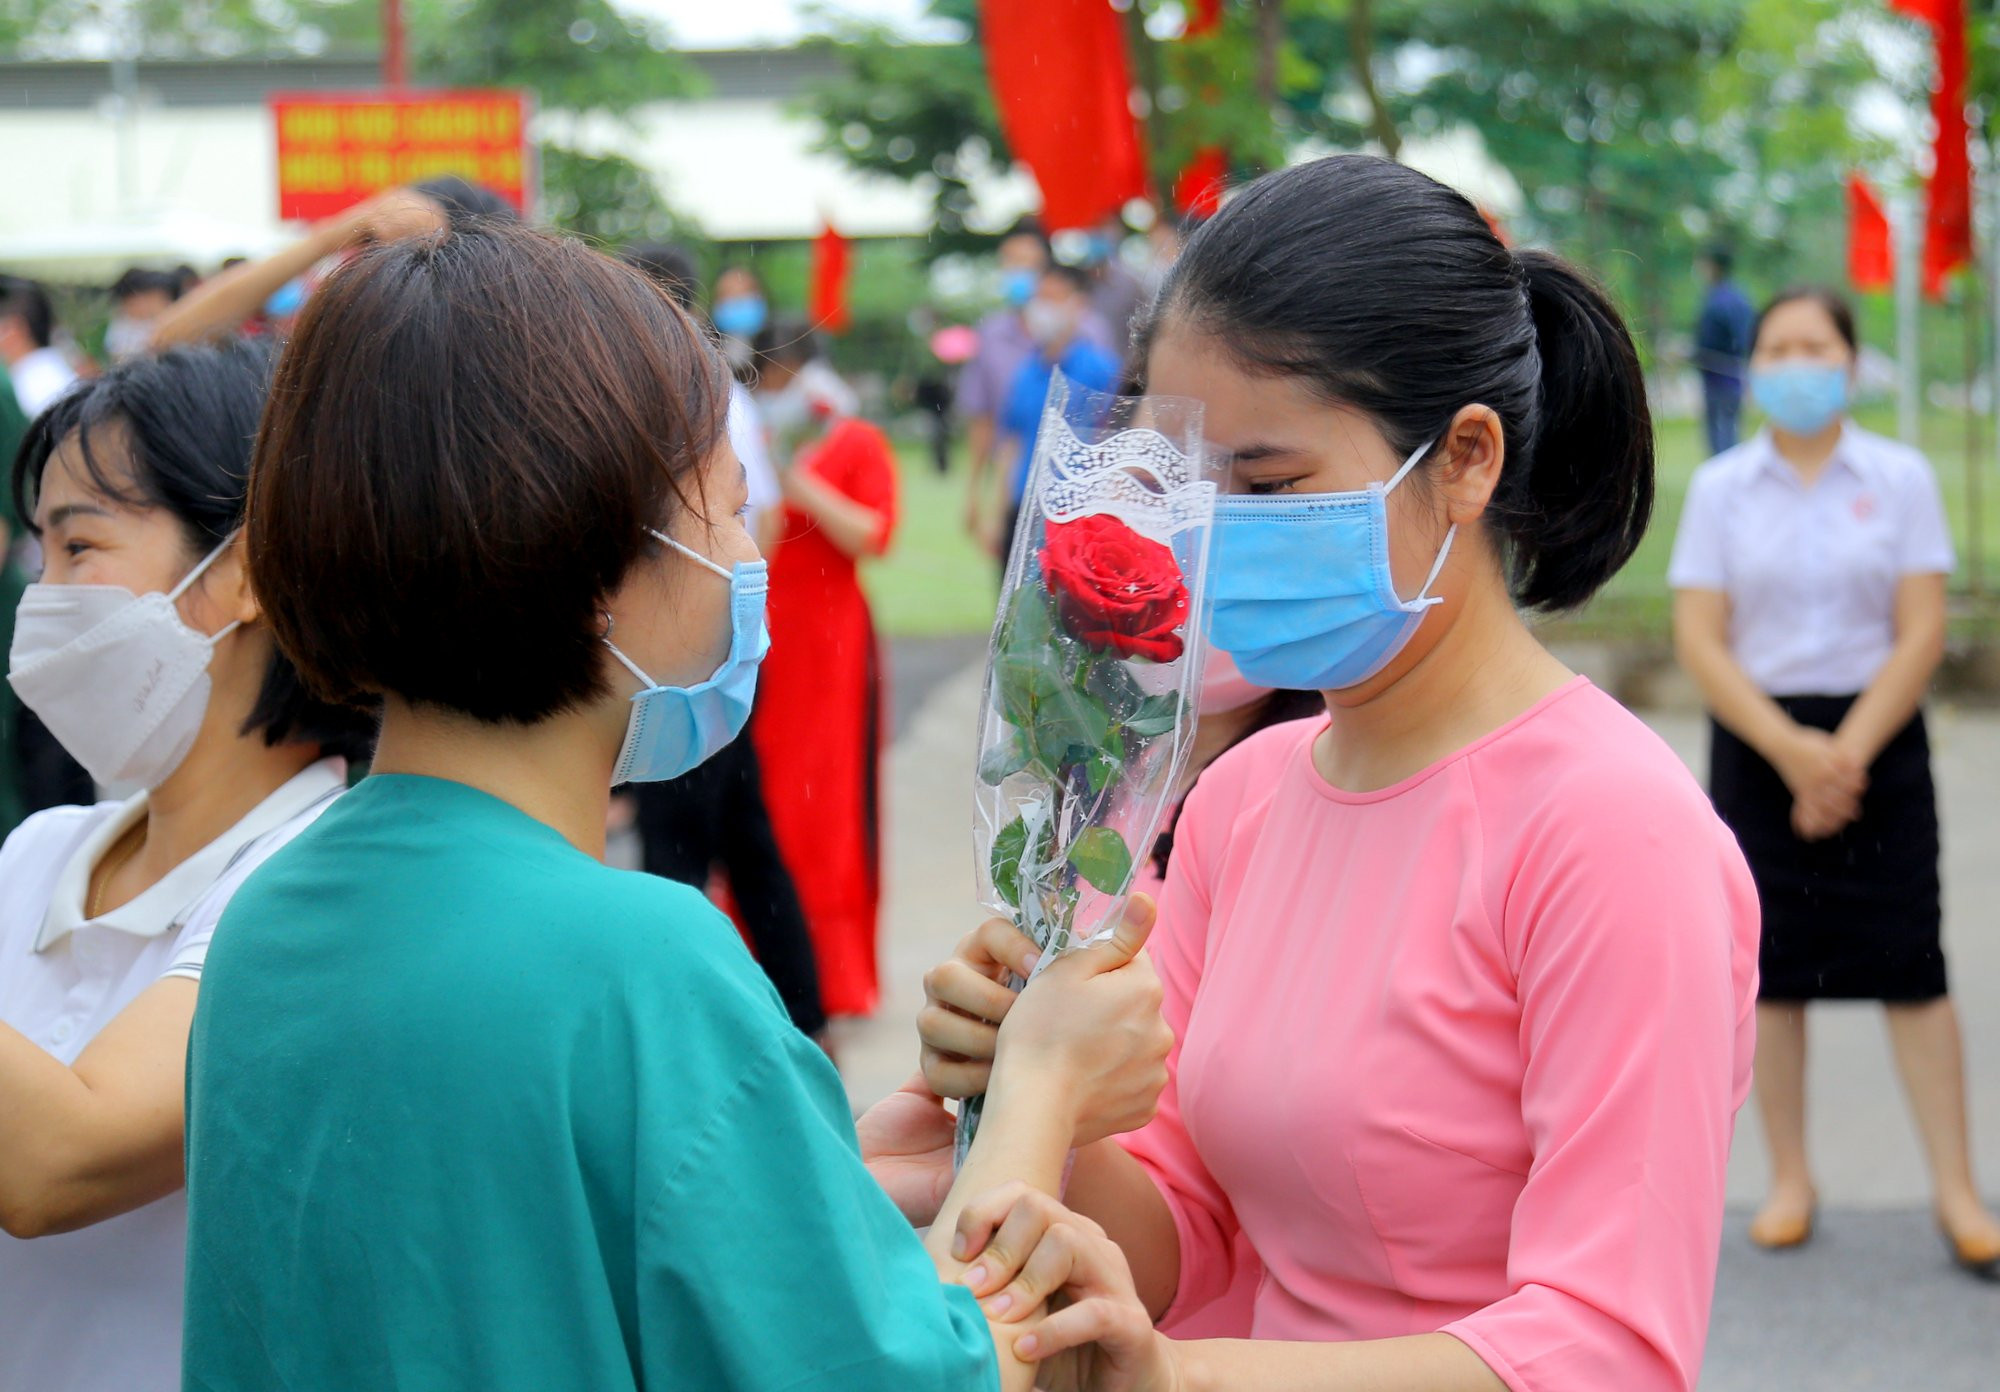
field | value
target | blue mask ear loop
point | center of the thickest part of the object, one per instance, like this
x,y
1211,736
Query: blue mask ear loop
x,y
645,682
1425,599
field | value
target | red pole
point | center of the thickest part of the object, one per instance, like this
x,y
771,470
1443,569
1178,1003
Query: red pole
x,y
395,61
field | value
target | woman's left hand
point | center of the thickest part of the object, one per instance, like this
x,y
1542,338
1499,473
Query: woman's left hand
x,y
1039,1265
906,1142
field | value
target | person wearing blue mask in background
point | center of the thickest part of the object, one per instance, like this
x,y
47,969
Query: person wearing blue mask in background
x,y
1722,338
1057,318
740,310
1115,293
1809,605
983,387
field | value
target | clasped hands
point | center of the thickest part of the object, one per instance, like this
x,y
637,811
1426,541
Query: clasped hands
x,y
1827,782
1084,1038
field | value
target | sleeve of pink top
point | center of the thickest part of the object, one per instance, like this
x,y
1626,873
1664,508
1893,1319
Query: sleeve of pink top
x,y
1203,1220
1630,922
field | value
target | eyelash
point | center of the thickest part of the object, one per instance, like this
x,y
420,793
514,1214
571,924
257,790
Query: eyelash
x,y
1264,487
72,548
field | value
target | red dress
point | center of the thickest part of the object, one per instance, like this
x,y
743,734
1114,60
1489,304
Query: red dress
x,y
819,719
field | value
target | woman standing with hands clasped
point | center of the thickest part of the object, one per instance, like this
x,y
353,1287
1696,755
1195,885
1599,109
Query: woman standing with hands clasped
x,y
1461,973
1809,604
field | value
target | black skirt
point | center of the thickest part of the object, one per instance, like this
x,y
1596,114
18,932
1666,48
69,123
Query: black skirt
x,y
1856,916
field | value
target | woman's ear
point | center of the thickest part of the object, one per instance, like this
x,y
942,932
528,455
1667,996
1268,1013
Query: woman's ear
x,y
228,585
1474,450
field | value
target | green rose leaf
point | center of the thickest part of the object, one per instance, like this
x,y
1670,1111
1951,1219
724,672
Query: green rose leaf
x,y
1113,685
1101,768
1005,860
1001,761
1101,857
1156,715
1070,726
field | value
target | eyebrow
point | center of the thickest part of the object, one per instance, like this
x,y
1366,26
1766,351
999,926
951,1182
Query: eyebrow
x,y
1251,454
69,510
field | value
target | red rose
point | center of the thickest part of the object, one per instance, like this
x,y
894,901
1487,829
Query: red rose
x,y
1114,589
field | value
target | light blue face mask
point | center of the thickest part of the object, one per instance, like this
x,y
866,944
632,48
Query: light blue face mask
x,y
1017,286
675,728
1800,398
741,317
1304,599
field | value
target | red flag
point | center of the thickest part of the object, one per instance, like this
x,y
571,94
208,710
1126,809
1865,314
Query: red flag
x,y
1065,96
829,282
1948,219
1198,190
1871,254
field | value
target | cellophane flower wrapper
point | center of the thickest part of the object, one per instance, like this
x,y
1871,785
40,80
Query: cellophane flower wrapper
x,y
1093,674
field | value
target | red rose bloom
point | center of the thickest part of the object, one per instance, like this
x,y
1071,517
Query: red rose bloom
x,y
1114,589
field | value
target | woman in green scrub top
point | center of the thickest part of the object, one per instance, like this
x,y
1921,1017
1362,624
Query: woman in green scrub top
x,y
466,1107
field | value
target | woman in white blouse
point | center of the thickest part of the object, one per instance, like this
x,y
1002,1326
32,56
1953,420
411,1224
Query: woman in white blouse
x,y
141,649
1809,605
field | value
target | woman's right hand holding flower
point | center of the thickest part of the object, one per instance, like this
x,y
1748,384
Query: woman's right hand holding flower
x,y
1088,1030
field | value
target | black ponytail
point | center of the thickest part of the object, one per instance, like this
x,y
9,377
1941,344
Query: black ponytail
x,y
1576,514
1389,292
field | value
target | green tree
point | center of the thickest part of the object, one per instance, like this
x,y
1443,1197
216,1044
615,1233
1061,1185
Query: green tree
x,y
582,59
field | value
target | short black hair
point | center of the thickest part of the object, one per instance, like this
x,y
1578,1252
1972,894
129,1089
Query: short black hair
x,y
27,301
1077,277
141,280
789,342
1031,227
1720,257
1827,298
672,267
1385,290
445,525
187,418
463,200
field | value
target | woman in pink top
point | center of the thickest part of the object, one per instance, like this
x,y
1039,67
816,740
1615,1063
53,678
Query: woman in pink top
x,y
1462,973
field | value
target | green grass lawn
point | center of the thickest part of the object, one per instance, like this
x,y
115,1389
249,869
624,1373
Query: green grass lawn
x,y
936,582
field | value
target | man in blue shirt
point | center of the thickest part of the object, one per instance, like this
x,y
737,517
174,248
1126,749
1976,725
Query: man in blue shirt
x,y
1056,318
1722,341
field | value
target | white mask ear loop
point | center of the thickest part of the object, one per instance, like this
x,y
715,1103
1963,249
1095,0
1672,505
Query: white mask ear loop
x,y
1408,464
645,681
1424,596
173,595
692,555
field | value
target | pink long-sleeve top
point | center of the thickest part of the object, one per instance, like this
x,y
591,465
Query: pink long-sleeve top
x,y
1462,1054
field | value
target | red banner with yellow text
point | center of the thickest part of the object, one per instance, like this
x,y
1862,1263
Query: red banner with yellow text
x,y
335,149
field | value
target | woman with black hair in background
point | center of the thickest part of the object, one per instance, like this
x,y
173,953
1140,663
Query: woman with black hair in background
x,y
1461,974
144,651
1809,605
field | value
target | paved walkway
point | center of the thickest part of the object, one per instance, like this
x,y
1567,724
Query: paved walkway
x,y
1871,1305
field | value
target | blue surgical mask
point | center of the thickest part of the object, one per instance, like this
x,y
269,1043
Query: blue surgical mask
x,y
741,317
675,728
1017,286
1304,599
1800,398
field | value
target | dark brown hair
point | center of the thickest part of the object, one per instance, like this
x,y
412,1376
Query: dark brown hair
x,y
469,434
1832,301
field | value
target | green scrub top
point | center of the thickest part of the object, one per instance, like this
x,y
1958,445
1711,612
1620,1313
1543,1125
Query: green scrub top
x,y
469,1109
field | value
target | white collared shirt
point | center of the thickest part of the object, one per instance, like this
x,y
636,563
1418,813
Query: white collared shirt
x,y
746,437
99,1310
1811,572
